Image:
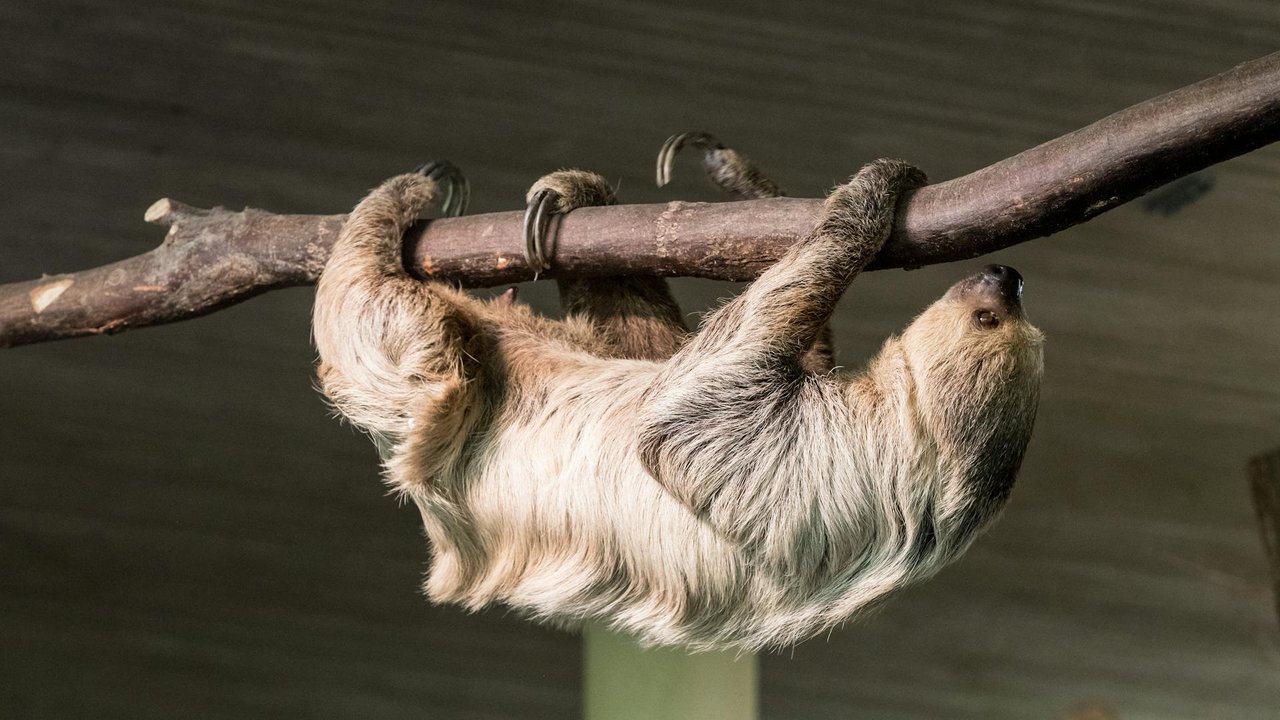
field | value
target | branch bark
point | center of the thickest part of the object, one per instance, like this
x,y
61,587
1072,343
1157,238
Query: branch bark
x,y
215,258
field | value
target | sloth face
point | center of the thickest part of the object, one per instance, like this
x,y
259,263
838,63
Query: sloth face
x,y
994,294
975,364
977,327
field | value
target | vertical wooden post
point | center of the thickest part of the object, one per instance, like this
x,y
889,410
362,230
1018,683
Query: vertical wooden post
x,y
623,682
1264,476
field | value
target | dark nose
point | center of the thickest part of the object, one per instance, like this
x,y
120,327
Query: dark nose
x,y
1004,279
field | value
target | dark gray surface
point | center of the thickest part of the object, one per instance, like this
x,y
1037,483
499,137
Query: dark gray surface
x,y
183,531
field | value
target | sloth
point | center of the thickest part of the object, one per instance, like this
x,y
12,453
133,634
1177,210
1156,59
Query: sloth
x,y
722,488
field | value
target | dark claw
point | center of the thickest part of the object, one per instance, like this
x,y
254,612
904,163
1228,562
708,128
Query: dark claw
x,y
457,191
730,171
537,219
667,155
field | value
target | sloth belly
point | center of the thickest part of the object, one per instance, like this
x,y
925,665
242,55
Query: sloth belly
x,y
567,525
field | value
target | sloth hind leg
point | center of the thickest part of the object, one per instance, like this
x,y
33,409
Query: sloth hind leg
x,y
387,340
633,316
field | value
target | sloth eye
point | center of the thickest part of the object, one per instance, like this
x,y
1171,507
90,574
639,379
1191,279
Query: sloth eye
x,y
986,319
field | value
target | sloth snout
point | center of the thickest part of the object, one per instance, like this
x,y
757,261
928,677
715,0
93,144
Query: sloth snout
x,y
999,284
1004,280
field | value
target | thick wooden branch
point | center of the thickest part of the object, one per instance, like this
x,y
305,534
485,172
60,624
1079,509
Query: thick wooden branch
x,y
215,258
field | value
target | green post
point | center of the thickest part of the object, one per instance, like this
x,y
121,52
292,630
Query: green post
x,y
623,682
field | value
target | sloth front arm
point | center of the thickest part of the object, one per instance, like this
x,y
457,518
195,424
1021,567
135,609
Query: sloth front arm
x,y
733,426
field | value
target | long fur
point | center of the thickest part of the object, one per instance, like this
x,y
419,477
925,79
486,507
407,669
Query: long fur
x,y
710,490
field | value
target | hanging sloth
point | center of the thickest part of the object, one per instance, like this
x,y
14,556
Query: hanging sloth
x,y
721,488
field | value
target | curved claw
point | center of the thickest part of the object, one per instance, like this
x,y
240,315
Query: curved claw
x,y
727,169
537,219
667,155
457,190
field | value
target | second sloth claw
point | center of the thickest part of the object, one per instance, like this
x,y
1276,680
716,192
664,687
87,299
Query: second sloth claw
x,y
457,190
537,220
667,155
727,169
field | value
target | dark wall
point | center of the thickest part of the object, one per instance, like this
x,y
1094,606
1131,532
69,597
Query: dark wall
x,y
184,532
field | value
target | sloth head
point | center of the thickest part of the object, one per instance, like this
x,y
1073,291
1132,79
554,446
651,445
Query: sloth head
x,y
975,364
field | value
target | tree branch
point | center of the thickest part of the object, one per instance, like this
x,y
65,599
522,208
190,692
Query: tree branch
x,y
215,258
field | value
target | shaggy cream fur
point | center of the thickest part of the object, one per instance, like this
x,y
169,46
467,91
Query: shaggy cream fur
x,y
710,490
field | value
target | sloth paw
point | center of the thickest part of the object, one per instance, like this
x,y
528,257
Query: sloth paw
x,y
537,220
457,191
557,194
886,177
726,168
704,141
